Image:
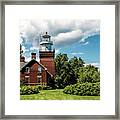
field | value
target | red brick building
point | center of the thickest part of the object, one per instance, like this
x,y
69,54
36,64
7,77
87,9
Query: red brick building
x,y
39,72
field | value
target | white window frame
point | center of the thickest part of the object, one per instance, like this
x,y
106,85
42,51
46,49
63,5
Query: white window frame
x,y
27,69
40,71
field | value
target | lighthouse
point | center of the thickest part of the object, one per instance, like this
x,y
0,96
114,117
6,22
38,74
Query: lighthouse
x,y
47,53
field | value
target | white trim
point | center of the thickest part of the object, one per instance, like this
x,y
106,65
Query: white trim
x,y
39,76
27,76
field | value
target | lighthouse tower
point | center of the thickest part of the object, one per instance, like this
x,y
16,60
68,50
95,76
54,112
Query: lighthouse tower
x,y
46,53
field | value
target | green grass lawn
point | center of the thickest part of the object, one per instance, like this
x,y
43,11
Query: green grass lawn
x,y
56,95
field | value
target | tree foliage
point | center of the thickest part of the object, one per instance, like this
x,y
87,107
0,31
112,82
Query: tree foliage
x,y
76,64
89,73
69,72
59,61
66,70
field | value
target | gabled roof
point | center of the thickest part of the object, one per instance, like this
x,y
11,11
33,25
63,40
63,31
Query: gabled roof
x,y
49,73
30,63
22,64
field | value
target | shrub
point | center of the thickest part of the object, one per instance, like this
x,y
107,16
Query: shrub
x,y
27,90
23,82
83,89
47,88
39,87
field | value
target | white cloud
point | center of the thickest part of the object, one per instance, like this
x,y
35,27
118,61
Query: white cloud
x,y
90,33
57,51
27,59
94,64
21,40
33,48
68,37
77,53
86,43
24,49
62,31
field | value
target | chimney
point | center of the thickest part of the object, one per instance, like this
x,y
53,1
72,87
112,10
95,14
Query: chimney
x,y
22,59
33,56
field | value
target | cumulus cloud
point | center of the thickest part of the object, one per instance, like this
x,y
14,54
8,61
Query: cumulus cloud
x,y
86,43
63,32
68,37
94,64
24,49
57,51
33,48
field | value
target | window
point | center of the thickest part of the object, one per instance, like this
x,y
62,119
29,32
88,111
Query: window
x,y
39,69
27,69
39,79
27,79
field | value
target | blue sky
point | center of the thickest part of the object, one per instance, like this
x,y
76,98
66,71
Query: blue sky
x,y
80,38
89,51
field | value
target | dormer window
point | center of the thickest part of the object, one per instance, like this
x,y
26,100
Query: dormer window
x,y
27,69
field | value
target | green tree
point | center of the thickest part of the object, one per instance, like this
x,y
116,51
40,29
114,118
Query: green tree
x,y
73,71
65,74
59,61
89,73
76,63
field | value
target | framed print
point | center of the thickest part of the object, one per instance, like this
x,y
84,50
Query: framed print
x,y
59,60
